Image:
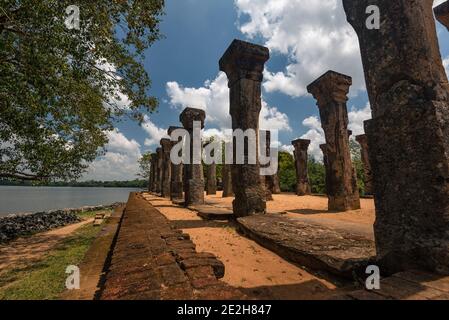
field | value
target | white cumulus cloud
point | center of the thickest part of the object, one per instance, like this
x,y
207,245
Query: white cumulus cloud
x,y
120,162
316,134
314,35
213,97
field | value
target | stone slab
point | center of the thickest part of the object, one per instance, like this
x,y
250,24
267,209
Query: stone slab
x,y
309,245
210,212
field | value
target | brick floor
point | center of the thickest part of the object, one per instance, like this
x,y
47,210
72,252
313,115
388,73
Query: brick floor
x,y
154,260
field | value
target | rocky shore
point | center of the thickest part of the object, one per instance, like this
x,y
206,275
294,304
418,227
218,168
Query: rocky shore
x,y
16,225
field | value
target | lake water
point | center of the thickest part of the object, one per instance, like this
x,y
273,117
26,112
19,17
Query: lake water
x,y
33,199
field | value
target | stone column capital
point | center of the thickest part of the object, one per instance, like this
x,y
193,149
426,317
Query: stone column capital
x,y
159,151
442,13
189,115
301,143
331,87
166,145
323,148
362,139
171,129
244,60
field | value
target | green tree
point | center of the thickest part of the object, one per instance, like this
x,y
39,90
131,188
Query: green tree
x,y
356,156
61,89
287,172
317,176
145,165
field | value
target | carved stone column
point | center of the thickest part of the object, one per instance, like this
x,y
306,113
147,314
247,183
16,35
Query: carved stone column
x,y
408,136
330,90
176,186
166,167
211,178
363,141
301,160
267,181
159,164
193,172
243,63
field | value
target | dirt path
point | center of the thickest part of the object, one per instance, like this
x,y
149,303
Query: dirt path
x,y
25,250
256,270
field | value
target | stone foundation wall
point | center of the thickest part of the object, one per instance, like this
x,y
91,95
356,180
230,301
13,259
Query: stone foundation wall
x,y
16,225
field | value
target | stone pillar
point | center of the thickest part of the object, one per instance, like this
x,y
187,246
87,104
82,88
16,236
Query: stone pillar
x,y
211,177
243,63
166,167
193,172
330,90
227,181
363,141
408,136
153,171
276,184
159,161
267,181
442,13
301,160
176,186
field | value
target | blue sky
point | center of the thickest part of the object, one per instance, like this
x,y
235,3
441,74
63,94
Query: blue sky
x,y
305,37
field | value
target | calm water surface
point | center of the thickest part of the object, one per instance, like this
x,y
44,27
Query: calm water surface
x,y
32,199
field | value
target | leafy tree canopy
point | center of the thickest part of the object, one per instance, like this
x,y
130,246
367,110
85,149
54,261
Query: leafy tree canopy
x,y
62,88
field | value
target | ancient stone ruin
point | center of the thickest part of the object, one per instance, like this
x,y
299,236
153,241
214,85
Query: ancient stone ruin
x,y
211,177
193,172
301,158
227,181
363,141
330,90
267,181
408,136
442,13
166,145
176,187
243,64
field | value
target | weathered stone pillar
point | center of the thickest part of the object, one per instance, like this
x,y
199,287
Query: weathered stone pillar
x,y
267,181
176,186
276,186
301,160
153,171
243,63
227,181
193,172
159,164
166,167
211,179
363,141
330,90
408,136
442,13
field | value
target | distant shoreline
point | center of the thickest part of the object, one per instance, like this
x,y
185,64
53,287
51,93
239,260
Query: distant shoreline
x,y
82,184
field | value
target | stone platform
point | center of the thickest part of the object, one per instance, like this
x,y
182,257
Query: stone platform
x,y
313,246
151,259
409,285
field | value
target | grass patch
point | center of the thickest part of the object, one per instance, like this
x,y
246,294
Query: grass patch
x,y
90,214
45,279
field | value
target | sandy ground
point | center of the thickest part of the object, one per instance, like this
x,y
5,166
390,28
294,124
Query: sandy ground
x,y
253,268
313,209
25,250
